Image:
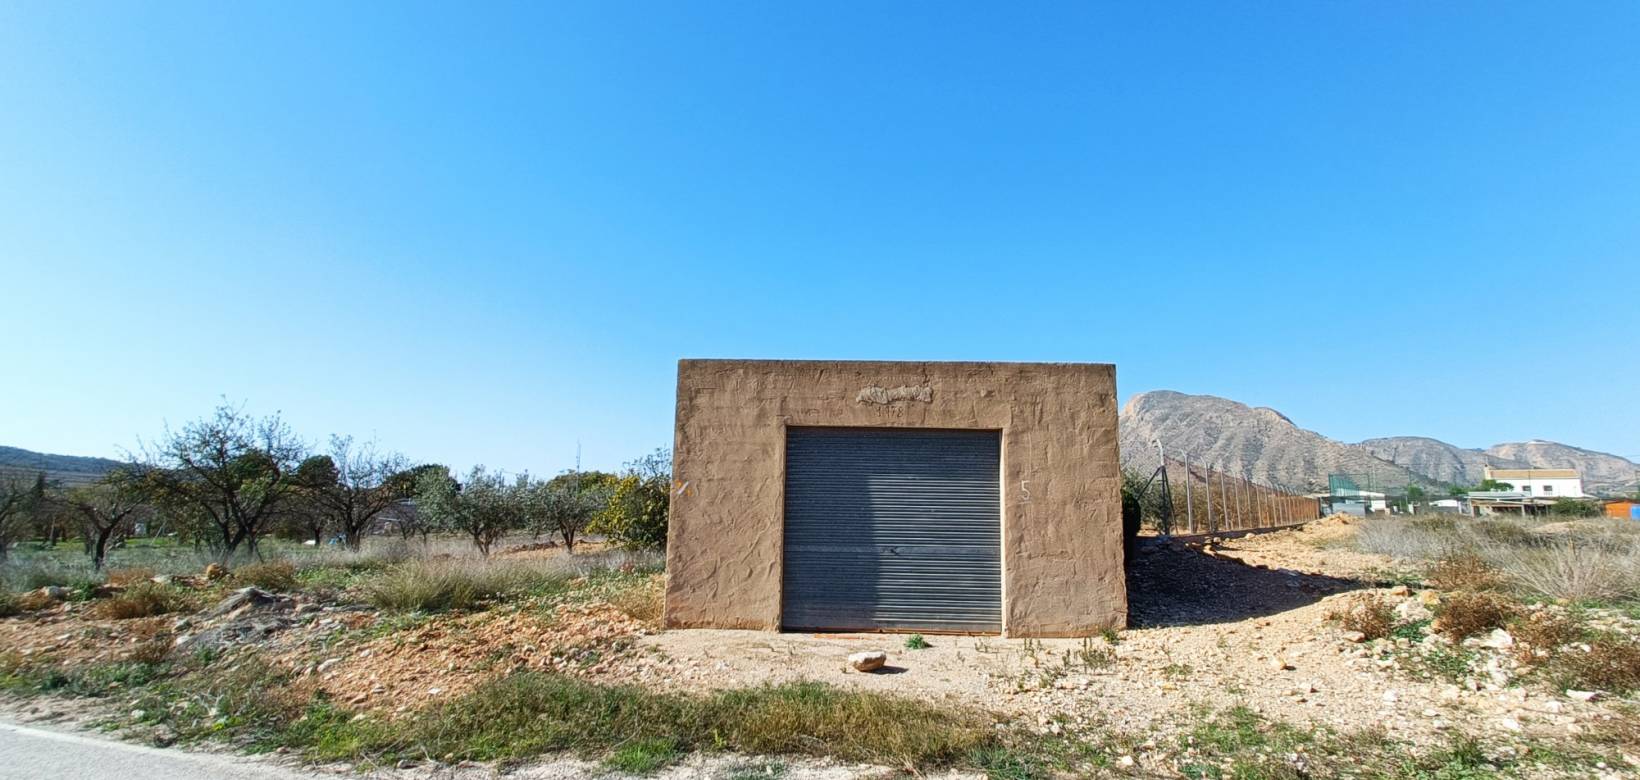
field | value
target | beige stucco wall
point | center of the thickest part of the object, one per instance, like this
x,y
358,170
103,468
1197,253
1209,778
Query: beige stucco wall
x,y
1061,513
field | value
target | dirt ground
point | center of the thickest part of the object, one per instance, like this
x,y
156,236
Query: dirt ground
x,y
1241,622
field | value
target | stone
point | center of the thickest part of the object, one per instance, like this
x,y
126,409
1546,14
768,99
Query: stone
x,y
1354,636
325,665
1279,664
54,592
1429,598
1583,695
1412,611
1499,639
215,572
1391,696
868,661
1400,590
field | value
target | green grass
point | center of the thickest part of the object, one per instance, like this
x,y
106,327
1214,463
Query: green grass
x,y
643,756
916,642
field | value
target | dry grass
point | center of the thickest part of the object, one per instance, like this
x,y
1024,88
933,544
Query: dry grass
x,y
642,603
1611,663
270,575
1464,615
458,584
143,600
1464,571
1593,560
1369,613
129,576
1541,634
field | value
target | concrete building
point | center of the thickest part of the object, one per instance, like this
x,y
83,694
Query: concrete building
x,y
1354,501
887,496
1539,483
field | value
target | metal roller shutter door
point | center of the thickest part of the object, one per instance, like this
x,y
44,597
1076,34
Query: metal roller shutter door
x,y
891,528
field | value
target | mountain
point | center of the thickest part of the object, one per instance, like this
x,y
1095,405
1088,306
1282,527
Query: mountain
x,y
1260,444
1602,472
68,469
1438,460
1265,446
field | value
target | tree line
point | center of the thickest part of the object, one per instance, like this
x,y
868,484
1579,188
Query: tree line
x,y
226,482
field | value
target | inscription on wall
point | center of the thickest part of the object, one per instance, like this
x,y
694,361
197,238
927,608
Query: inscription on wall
x,y
888,395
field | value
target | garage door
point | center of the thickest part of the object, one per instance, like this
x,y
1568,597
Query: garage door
x,y
892,529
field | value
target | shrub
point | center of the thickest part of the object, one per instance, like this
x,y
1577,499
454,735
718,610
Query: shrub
x,y
1612,663
1463,615
1368,613
145,600
1464,571
916,642
1542,632
8,604
271,575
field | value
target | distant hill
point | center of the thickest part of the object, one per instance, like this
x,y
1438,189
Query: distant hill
x,y
1260,444
1438,460
68,469
1265,446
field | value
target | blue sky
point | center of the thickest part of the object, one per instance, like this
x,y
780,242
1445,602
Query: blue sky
x,y
486,232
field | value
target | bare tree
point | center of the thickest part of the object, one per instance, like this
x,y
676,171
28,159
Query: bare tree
x,y
230,472
104,512
352,486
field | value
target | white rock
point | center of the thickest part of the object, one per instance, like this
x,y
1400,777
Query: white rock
x,y
1499,639
1509,724
1391,696
870,660
1583,695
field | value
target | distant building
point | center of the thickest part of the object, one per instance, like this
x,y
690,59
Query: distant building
x,y
1539,483
1354,501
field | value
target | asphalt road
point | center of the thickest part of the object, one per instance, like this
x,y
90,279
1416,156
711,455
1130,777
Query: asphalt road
x,y
38,754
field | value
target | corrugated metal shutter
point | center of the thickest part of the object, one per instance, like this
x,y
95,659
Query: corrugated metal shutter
x,y
890,528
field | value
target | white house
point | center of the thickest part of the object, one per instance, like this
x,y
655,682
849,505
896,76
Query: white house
x,y
1540,483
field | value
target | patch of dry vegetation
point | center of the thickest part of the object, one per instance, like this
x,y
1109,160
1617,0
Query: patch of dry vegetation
x,y
145,599
1466,614
1368,613
279,576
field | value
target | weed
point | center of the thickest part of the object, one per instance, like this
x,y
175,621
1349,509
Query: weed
x,y
9,605
270,575
1450,664
142,600
1178,671
442,585
1463,615
1414,631
1368,613
1111,636
643,756
916,642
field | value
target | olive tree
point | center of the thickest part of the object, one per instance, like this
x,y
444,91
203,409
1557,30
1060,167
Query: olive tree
x,y
637,512
485,507
566,504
